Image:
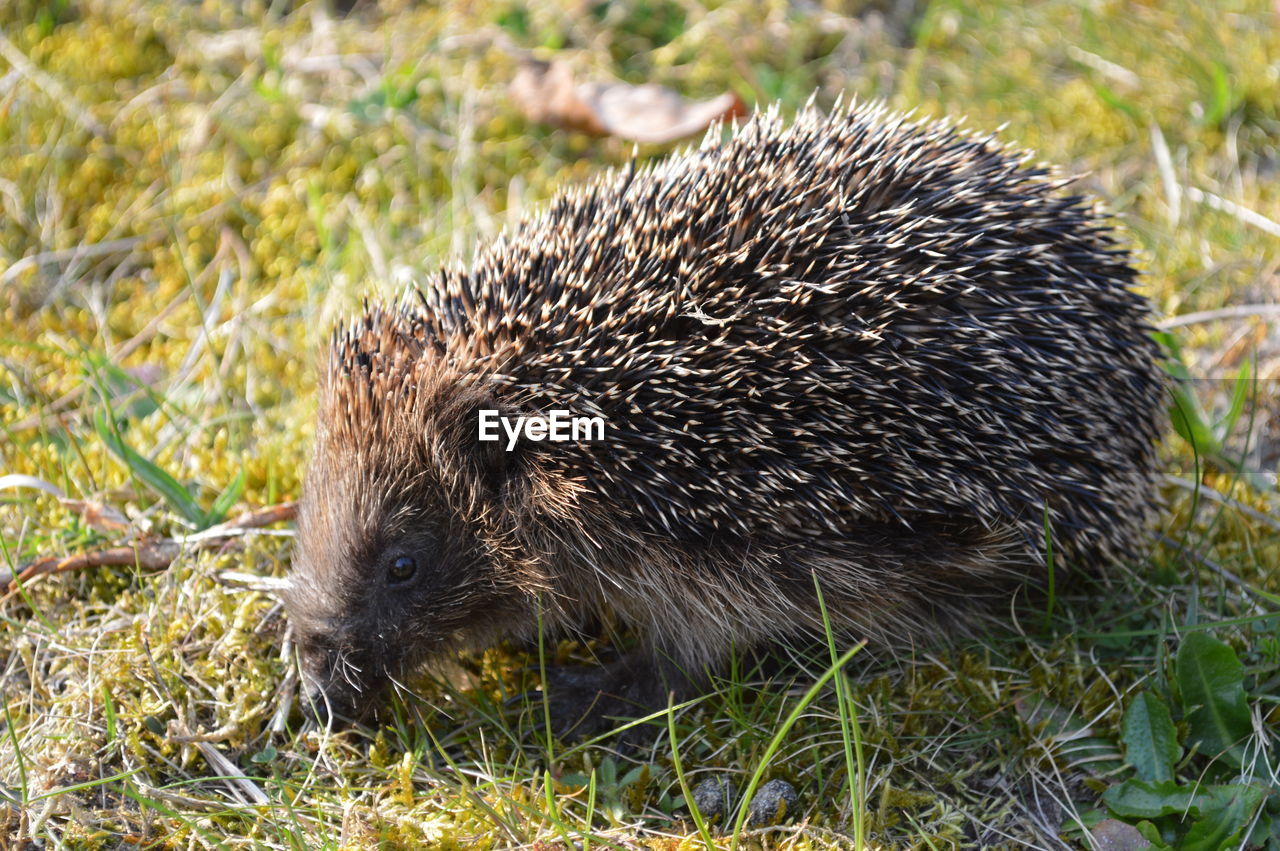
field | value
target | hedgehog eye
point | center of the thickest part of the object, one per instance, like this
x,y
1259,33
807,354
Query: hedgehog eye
x,y
402,569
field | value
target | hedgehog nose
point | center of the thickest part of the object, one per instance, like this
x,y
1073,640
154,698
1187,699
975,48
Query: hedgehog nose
x,y
331,707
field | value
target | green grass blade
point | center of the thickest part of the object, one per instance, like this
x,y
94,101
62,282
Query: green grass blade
x,y
690,804
225,500
163,484
778,737
850,730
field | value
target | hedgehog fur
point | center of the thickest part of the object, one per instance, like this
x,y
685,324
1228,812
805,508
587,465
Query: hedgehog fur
x,y
855,351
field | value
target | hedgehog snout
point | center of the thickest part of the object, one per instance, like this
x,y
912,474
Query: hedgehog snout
x,y
338,686
319,708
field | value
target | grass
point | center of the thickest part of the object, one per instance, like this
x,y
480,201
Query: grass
x,y
193,194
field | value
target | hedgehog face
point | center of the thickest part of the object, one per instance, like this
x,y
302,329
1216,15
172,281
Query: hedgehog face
x,y
386,576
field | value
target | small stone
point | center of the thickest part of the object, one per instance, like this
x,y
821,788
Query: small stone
x,y
1113,835
773,802
713,797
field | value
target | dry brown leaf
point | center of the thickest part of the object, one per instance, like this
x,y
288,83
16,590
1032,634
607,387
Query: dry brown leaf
x,y
547,93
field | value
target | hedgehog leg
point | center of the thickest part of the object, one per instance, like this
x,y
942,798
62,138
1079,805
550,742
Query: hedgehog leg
x,y
587,701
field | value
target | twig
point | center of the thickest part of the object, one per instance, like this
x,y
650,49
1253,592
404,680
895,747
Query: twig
x,y
254,582
1203,560
234,777
238,783
179,733
1236,311
18,480
1211,494
146,554
80,252
237,527
55,90
189,803
1231,208
1172,189
285,694
156,553
1107,68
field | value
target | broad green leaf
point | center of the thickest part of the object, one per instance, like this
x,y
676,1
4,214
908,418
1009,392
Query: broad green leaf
x,y
1151,833
1211,679
634,775
1150,740
1222,821
1217,813
1267,833
1144,799
1085,820
166,486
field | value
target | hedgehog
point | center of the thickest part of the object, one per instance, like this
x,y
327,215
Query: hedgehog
x,y
883,358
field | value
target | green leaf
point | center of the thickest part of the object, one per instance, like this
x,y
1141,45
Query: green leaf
x,y
165,485
1113,100
1144,799
1239,395
1085,821
1150,740
1218,813
1267,833
1190,422
1151,833
608,773
109,709
634,775
1187,416
264,756
1222,99
1224,818
1211,679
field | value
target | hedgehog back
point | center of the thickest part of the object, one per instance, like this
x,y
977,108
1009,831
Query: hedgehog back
x,y
807,330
